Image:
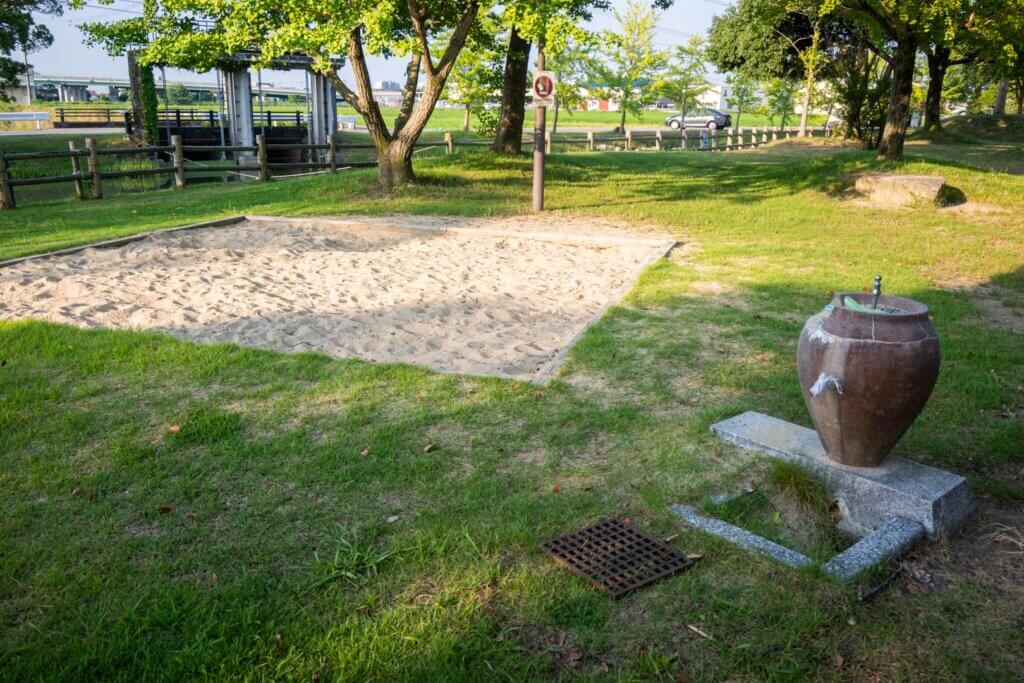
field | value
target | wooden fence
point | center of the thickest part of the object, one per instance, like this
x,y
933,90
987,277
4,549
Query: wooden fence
x,y
88,181
99,117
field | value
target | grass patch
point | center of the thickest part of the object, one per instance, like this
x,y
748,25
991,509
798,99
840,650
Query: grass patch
x,y
131,550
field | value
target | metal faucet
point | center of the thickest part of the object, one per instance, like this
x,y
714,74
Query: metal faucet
x,y
876,292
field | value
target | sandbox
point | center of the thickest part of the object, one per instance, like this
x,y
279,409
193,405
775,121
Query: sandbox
x,y
493,297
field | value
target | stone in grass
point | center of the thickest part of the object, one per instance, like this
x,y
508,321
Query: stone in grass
x,y
895,190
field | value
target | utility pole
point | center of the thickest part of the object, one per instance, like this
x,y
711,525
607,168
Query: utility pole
x,y
539,126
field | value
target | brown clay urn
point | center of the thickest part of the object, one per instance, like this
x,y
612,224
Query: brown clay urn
x,y
867,366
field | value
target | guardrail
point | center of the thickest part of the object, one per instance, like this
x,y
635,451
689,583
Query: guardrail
x,y
37,116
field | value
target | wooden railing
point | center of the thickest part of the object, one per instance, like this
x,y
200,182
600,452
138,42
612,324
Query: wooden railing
x,y
690,139
251,162
70,117
89,181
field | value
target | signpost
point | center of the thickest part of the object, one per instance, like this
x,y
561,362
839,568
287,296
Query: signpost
x,y
543,97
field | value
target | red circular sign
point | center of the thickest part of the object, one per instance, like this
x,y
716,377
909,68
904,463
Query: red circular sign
x,y
543,86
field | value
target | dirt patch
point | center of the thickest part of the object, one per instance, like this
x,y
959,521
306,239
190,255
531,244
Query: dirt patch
x,y
1002,306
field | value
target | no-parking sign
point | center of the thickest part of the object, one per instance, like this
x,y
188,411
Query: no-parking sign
x,y
544,89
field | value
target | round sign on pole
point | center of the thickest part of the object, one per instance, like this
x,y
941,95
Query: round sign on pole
x,y
544,89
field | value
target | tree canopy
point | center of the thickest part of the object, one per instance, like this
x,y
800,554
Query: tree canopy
x,y
19,33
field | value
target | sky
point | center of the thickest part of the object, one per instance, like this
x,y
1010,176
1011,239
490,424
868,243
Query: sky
x,y
69,56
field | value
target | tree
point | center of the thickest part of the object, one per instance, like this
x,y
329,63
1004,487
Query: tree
x,y
477,74
204,34
685,78
569,65
538,21
19,32
179,94
744,90
896,29
630,62
780,95
125,37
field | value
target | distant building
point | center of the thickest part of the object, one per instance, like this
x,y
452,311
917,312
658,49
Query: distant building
x,y
387,85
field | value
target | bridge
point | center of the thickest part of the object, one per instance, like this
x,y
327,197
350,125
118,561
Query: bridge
x,y
74,88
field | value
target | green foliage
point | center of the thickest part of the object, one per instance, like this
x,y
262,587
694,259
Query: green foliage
x,y
780,96
744,93
20,34
486,121
685,78
179,94
147,95
628,62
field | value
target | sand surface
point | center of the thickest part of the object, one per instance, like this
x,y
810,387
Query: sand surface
x,y
466,301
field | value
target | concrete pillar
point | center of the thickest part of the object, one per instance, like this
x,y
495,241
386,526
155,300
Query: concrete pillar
x,y
323,110
238,99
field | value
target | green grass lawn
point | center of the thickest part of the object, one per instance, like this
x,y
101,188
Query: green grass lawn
x,y
294,525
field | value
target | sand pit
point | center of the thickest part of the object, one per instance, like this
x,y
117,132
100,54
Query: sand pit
x,y
491,297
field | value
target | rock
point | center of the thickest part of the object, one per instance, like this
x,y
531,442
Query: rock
x,y
893,190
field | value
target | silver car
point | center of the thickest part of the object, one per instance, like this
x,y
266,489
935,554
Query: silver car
x,y
700,118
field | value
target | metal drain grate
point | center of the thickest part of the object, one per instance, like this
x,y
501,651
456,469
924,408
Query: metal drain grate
x,y
615,557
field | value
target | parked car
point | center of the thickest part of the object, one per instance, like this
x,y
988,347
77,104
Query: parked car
x,y
700,118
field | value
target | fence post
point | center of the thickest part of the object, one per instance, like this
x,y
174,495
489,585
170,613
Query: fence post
x,y
590,141
775,134
449,143
179,162
6,191
60,114
298,118
76,168
657,140
261,158
332,156
629,140
94,169
213,122
177,118
714,140
728,138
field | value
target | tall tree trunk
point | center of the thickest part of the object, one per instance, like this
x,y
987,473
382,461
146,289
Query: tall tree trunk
x,y
509,137
938,63
897,116
135,85
1000,105
809,64
1019,91
554,121
465,120
806,111
622,119
395,167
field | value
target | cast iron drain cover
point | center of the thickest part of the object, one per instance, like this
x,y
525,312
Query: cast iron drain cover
x,y
615,557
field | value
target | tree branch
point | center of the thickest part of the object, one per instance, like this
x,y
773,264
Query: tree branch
x,y
346,92
416,14
371,112
458,40
412,77
882,54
